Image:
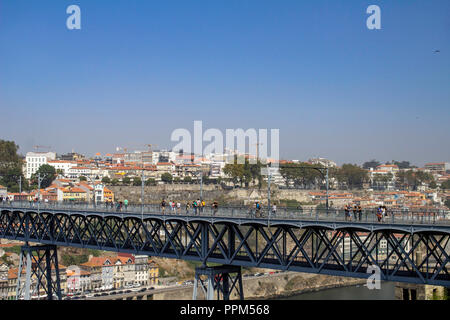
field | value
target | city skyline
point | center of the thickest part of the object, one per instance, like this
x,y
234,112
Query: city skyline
x,y
137,71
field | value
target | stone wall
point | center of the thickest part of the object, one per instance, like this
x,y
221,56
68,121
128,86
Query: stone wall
x,y
410,291
184,192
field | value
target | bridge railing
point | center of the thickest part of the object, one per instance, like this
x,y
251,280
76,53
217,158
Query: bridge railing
x,y
397,216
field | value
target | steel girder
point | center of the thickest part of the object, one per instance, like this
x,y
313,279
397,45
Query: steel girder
x,y
41,273
416,257
220,279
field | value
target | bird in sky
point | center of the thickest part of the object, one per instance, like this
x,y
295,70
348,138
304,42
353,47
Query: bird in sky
x,y
437,51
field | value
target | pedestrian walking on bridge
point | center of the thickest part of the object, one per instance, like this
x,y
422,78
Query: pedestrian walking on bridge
x,y
163,206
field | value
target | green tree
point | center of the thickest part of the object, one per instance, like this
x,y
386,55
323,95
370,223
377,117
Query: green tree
x,y
187,179
70,259
137,181
401,164
445,185
47,172
243,173
83,178
409,179
150,182
106,180
351,175
447,203
115,182
177,179
301,175
10,166
371,164
166,177
126,181
9,157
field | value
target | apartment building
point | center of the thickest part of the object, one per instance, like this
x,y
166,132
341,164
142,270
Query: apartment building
x,y
438,167
33,160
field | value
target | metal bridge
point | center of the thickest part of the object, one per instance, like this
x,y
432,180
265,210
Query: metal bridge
x,y
405,247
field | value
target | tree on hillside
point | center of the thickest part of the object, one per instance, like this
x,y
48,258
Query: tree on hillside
x,y
410,179
351,175
445,185
115,182
401,164
166,177
187,179
106,180
8,154
11,166
447,203
301,175
83,178
150,182
371,164
126,181
47,174
137,181
244,173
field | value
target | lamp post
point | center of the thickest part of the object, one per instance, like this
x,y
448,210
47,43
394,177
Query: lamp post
x,y
269,174
142,194
39,189
94,193
327,190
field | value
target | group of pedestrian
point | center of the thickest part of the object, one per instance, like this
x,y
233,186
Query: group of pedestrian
x,y
197,205
381,213
119,205
354,212
4,200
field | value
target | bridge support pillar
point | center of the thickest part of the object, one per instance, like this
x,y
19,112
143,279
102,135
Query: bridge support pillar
x,y
38,272
219,280
410,291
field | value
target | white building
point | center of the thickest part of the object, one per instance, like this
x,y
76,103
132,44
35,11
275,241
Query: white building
x,y
99,192
323,162
77,172
34,160
216,169
63,165
141,269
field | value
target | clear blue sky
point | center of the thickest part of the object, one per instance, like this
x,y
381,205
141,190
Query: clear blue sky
x,y
137,70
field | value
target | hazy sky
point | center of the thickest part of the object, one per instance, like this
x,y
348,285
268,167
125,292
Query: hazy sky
x,y
137,70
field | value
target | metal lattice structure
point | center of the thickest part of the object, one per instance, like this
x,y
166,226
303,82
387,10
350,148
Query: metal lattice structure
x,y
218,280
403,252
41,273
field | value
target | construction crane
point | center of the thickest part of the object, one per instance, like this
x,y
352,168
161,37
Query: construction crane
x,y
41,147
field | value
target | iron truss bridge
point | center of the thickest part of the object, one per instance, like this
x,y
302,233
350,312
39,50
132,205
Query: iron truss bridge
x,y
404,246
